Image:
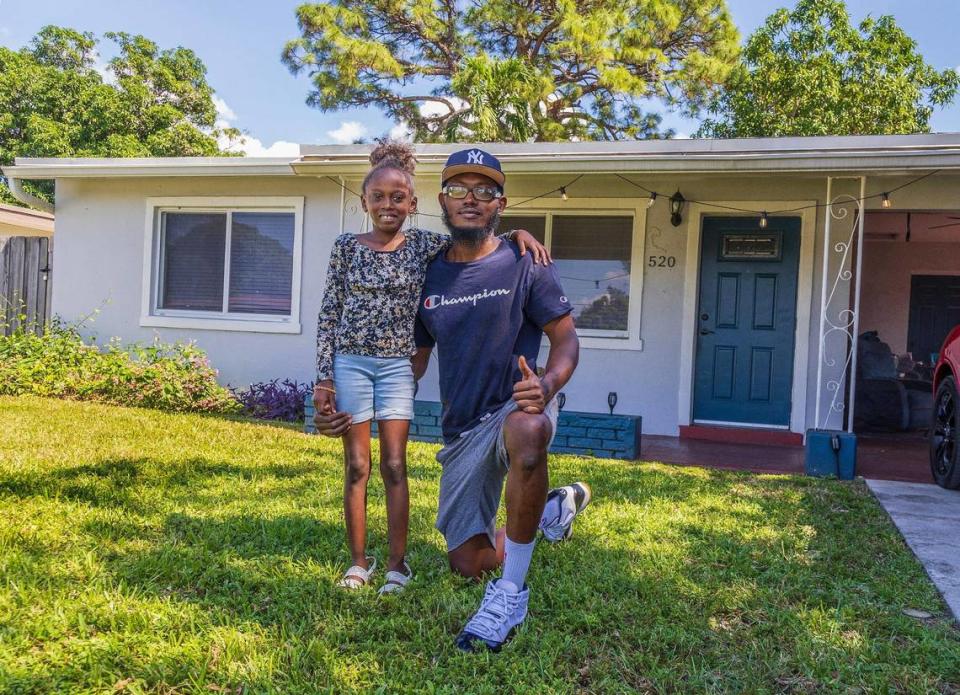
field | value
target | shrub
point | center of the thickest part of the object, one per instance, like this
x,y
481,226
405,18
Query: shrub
x,y
59,363
274,400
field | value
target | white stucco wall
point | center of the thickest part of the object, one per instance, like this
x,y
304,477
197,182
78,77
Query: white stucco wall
x,y
98,265
99,257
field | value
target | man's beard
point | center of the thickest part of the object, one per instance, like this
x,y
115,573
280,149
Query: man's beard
x,y
469,236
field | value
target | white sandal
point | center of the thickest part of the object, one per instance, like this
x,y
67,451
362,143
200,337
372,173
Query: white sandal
x,y
357,577
396,581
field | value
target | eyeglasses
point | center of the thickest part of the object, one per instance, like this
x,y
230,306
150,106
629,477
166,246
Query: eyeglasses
x,y
484,193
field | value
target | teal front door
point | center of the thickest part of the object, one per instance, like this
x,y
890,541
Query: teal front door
x,y
746,321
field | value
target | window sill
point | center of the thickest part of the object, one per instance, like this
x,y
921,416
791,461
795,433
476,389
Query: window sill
x,y
221,324
596,343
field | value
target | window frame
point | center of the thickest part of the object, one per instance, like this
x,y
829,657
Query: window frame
x,y
152,314
629,339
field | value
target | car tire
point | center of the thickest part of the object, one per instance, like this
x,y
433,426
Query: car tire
x,y
944,431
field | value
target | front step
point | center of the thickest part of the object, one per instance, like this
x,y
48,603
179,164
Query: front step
x,y
741,435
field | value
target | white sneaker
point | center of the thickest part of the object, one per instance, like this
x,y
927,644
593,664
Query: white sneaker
x,y
571,500
494,622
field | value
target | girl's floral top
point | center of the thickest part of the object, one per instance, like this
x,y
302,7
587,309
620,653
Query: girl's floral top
x,y
370,302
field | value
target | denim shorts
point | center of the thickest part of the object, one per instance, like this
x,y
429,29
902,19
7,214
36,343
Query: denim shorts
x,y
370,388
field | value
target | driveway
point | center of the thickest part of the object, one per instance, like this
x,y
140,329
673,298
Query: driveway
x,y
928,517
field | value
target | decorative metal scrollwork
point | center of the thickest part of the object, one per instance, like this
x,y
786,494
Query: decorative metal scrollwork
x,y
838,320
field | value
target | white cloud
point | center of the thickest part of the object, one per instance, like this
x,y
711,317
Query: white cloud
x,y
347,132
224,112
401,131
681,136
438,108
254,148
101,66
249,145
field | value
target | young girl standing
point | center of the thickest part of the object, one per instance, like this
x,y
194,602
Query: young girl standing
x,y
364,345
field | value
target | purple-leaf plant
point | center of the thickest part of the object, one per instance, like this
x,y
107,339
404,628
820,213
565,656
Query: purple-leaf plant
x,y
274,400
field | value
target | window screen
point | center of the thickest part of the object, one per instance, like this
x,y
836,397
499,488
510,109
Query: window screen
x,y
261,262
592,254
537,226
192,259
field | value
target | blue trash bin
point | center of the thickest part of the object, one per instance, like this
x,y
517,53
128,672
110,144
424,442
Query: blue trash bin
x,y
831,452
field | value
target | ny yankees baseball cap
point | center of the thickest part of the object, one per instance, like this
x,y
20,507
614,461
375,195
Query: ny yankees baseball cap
x,y
474,161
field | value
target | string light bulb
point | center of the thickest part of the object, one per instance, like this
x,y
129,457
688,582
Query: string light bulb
x,y
763,220
653,199
563,192
885,203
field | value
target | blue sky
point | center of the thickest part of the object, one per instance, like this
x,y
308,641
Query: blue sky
x,y
240,42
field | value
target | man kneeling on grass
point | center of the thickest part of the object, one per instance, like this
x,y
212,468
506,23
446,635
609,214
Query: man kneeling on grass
x,y
485,307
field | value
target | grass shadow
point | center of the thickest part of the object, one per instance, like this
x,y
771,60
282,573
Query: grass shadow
x,y
114,482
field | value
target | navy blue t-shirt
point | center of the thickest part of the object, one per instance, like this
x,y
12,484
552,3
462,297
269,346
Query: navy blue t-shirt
x,y
482,315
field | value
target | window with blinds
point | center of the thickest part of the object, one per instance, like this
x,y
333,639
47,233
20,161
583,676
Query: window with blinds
x,y
592,254
226,262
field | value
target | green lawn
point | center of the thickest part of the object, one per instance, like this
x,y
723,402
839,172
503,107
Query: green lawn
x,y
146,552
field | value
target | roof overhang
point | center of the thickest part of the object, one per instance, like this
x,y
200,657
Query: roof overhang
x,y
885,154
24,222
875,154
56,168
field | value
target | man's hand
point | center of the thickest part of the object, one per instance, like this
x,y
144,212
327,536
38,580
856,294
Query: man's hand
x,y
530,392
328,421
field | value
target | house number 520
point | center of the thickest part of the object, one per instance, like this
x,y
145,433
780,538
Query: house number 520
x,y
662,261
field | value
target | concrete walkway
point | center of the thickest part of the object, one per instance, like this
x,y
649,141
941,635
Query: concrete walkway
x,y
928,517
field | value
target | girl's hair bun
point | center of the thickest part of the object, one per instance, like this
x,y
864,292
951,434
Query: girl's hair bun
x,y
394,154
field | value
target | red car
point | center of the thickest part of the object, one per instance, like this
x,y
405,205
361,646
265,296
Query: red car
x,y
944,450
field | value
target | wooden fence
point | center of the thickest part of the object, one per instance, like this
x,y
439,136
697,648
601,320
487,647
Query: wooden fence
x,y
25,282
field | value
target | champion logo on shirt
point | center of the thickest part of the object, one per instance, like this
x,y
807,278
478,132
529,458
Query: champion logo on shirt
x,y
436,300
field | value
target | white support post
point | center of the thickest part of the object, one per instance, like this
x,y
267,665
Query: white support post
x,y
823,300
856,307
843,320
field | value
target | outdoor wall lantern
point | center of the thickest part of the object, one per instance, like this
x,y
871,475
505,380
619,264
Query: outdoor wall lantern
x,y
676,207
561,400
612,400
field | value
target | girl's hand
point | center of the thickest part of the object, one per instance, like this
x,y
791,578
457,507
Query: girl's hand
x,y
525,240
328,421
324,401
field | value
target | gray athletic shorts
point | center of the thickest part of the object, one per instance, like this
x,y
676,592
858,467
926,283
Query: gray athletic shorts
x,y
474,467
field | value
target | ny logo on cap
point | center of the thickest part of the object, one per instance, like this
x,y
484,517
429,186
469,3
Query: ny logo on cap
x,y
475,157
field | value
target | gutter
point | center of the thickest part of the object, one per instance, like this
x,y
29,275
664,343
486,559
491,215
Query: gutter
x,y
894,162
57,168
16,189
854,155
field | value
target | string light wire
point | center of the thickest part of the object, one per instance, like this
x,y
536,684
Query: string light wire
x,y
653,195
814,206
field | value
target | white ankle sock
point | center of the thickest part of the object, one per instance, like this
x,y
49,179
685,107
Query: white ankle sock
x,y
516,562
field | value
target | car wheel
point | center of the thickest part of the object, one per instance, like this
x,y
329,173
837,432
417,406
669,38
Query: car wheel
x,y
944,452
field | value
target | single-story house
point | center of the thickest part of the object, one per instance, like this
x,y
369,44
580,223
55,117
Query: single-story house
x,y
719,285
